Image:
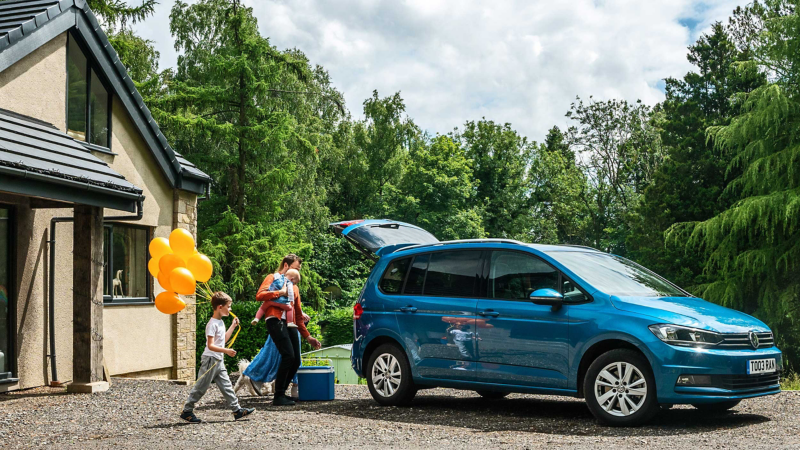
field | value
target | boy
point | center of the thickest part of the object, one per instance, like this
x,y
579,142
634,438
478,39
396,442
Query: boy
x,y
284,302
212,368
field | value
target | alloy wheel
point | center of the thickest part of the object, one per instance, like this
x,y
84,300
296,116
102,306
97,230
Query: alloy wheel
x,y
386,375
620,389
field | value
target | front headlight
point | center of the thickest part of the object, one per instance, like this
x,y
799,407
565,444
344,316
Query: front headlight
x,y
685,336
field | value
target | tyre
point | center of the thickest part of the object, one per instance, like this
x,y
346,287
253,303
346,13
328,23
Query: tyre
x,y
389,376
717,407
492,395
620,389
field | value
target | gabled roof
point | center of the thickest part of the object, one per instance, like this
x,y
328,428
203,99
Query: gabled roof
x,y
26,25
39,160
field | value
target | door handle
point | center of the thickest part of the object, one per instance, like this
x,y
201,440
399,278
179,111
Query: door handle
x,y
408,308
489,313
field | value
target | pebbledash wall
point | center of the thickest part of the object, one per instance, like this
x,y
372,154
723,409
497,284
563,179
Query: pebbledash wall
x,y
138,340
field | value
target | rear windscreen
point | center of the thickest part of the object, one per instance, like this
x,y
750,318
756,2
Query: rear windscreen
x,y
373,237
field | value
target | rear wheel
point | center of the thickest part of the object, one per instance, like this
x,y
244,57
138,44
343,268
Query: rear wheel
x,y
492,395
389,376
620,389
717,407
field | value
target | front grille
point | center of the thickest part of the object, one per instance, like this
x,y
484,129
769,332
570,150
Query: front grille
x,y
734,341
745,382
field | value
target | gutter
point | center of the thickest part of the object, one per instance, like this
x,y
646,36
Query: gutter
x,y
52,280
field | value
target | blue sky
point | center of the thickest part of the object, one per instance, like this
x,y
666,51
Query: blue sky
x,y
516,61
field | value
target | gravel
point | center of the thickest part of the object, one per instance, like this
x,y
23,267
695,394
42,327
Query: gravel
x,y
144,414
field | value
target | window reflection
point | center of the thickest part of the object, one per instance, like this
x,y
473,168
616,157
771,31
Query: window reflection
x,y
125,255
77,66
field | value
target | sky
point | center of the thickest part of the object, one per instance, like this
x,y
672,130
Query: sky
x,y
521,62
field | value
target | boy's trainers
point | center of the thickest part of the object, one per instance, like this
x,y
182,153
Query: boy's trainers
x,y
242,412
190,417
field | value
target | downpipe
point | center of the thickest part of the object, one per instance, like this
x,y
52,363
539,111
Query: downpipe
x,y
52,280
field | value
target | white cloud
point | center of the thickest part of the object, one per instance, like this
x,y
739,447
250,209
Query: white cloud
x,y
521,62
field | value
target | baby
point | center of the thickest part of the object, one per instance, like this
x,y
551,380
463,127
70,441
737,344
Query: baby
x,y
286,302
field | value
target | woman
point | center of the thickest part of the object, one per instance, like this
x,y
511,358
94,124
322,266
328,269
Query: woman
x,y
286,339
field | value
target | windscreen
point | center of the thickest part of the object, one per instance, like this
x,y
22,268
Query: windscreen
x,y
614,275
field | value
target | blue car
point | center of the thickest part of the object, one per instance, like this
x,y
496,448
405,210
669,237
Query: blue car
x,y
500,316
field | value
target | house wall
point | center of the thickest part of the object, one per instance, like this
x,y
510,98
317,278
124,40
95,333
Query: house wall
x,y
138,340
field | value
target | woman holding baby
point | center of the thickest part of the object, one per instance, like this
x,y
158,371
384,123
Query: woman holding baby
x,y
285,322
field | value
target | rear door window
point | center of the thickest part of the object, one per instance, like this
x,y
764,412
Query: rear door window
x,y
392,280
453,273
514,276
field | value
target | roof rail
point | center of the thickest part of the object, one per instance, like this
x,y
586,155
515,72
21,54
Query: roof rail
x,y
580,246
463,241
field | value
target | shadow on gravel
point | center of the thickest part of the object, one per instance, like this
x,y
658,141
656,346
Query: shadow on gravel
x,y
8,396
567,417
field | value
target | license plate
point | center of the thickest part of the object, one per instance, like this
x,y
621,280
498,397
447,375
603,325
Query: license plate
x,y
757,366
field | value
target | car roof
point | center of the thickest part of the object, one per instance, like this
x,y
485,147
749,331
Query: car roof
x,y
477,242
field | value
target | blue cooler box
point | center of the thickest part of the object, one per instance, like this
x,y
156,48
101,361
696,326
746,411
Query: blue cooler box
x,y
315,383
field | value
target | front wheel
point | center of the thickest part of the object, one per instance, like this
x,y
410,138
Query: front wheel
x,y
717,407
620,389
389,377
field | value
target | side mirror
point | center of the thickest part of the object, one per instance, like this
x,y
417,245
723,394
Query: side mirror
x,y
547,296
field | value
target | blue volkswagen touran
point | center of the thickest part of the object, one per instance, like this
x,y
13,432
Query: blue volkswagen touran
x,y
499,316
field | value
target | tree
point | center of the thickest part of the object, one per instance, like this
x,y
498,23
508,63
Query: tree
x,y
118,12
688,186
500,158
751,249
436,192
619,149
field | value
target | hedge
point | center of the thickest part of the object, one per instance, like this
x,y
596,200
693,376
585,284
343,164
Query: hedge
x,y
339,327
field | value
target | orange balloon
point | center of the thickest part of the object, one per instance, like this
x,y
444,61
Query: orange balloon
x,y
159,247
181,242
152,266
163,280
169,303
201,267
182,281
169,262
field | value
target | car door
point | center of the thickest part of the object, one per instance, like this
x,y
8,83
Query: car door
x,y
519,342
436,314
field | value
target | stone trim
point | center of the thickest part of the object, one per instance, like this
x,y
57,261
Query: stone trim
x,y
184,323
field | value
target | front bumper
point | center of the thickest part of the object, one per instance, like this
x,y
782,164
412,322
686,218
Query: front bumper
x,y
728,370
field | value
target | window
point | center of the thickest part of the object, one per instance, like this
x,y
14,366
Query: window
x,y
453,274
88,100
125,259
616,276
416,277
392,281
516,275
571,293
6,316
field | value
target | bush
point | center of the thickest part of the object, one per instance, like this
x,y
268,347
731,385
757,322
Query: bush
x,y
339,327
251,338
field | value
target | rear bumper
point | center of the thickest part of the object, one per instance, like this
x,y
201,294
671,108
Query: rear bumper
x,y
727,368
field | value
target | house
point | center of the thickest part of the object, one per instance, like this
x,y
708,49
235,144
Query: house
x,y
87,179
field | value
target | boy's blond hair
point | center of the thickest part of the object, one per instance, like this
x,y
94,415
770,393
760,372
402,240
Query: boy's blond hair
x,y
293,273
220,299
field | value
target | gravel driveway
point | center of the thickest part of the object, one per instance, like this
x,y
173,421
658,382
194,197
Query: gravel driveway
x,y
144,414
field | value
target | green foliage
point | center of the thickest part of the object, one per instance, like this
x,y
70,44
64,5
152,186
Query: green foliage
x,y
338,328
118,12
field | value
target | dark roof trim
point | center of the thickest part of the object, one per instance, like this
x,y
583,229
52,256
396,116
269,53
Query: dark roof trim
x,y
58,16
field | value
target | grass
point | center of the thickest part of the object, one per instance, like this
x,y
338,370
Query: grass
x,y
791,383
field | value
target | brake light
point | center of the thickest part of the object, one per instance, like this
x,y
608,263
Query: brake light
x,y
357,311
348,223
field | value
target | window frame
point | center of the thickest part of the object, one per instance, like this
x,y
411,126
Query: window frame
x,y
91,67
477,291
108,267
561,278
12,295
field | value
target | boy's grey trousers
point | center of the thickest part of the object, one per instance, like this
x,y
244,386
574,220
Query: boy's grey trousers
x,y
219,375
